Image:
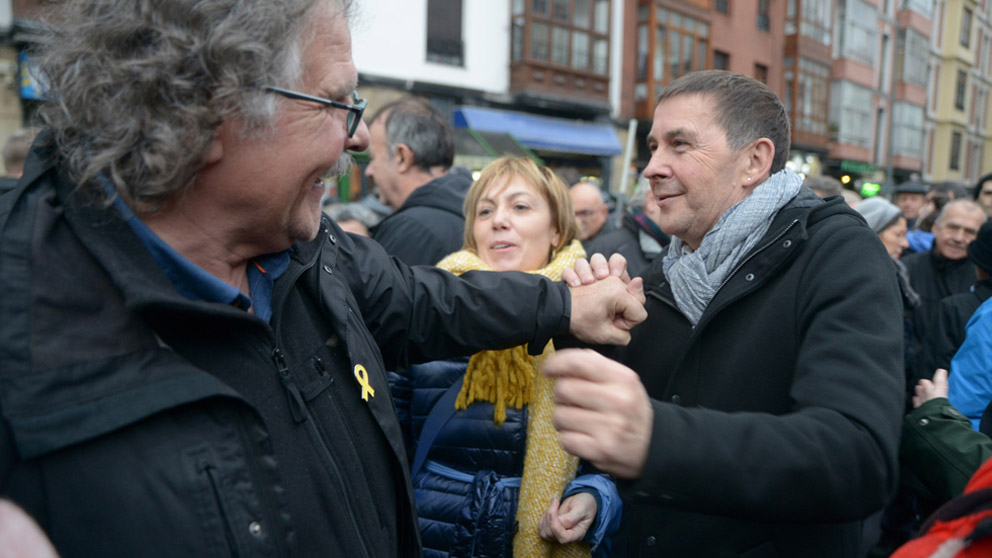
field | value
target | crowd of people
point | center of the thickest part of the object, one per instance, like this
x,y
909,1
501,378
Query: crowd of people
x,y
195,359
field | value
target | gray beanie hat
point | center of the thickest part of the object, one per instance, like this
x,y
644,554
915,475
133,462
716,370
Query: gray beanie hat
x,y
879,212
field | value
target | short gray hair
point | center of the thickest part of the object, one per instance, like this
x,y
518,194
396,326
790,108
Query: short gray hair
x,y
746,109
139,87
415,123
966,204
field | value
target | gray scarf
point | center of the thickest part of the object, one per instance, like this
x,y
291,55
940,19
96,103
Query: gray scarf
x,y
696,276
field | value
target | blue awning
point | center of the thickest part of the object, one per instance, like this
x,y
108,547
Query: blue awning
x,y
543,132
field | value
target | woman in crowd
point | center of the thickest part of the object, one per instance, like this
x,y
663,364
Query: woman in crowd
x,y
490,477
888,223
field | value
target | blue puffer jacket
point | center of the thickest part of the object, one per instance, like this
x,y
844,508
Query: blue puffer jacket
x,y
467,490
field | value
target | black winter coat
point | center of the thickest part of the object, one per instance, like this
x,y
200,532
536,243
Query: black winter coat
x,y
776,418
429,225
933,278
955,311
136,422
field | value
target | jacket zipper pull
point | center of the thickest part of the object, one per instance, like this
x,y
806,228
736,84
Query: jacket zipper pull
x,y
296,405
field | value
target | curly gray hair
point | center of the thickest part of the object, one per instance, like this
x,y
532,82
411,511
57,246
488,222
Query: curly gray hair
x,y
138,87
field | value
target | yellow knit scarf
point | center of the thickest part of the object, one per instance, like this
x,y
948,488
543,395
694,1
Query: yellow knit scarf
x,y
510,377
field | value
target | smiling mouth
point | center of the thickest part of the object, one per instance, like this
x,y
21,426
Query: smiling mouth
x,y
500,246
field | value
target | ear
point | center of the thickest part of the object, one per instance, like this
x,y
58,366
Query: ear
x,y
758,161
404,158
555,240
215,149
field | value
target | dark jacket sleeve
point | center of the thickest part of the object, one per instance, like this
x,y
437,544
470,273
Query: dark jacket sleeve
x,y
421,313
832,454
941,449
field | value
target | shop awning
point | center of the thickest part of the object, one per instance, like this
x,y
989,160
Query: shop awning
x,y
543,132
474,149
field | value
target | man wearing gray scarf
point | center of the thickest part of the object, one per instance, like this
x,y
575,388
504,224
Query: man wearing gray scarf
x,y
756,412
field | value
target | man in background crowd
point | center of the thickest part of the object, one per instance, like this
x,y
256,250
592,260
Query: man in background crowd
x,y
591,210
910,197
410,151
942,271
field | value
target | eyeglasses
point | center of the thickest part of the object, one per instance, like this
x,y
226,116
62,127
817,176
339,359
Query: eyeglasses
x,y
355,111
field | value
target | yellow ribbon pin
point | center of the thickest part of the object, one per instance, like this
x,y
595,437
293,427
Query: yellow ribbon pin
x,y
362,376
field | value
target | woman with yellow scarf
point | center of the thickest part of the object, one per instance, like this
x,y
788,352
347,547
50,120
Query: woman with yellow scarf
x,y
489,474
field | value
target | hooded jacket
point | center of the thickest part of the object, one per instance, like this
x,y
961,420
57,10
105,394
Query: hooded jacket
x,y
136,422
429,225
776,418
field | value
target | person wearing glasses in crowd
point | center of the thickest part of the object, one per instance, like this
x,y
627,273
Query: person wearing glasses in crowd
x,y
192,357
591,210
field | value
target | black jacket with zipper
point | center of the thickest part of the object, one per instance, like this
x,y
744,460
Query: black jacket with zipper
x,y
776,418
136,422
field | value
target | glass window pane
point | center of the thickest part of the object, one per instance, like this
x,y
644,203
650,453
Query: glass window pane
x,y
580,50
642,51
703,29
601,21
581,16
561,10
659,54
600,56
674,56
518,7
700,55
539,7
686,54
539,41
559,45
662,15
676,19
518,38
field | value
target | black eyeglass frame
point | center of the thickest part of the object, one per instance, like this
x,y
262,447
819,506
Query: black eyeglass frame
x,y
355,111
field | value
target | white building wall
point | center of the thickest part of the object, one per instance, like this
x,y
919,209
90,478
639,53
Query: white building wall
x,y
389,39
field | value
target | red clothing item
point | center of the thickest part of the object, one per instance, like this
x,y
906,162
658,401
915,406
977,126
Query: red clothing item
x,y
962,528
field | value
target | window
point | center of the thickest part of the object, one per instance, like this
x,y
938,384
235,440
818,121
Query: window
x,y
761,73
907,132
517,47
581,17
924,7
444,32
600,56
539,41
559,45
955,163
960,89
580,50
911,58
858,33
643,40
851,114
722,6
815,20
572,34
966,28
813,86
681,44
763,19
601,16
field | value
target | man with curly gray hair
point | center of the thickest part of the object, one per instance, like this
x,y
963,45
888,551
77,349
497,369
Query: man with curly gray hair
x,y
192,358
